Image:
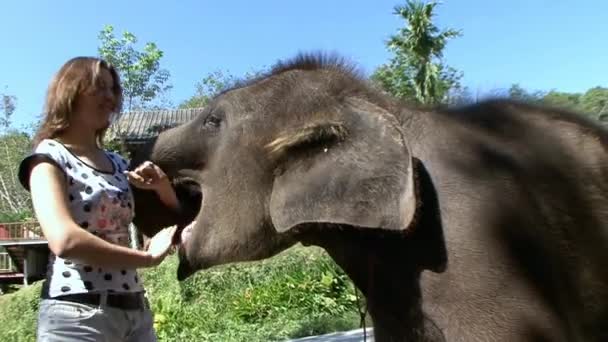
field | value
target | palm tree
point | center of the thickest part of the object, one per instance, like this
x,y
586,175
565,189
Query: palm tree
x,y
417,45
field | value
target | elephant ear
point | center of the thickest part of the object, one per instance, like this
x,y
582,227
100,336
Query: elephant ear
x,y
355,169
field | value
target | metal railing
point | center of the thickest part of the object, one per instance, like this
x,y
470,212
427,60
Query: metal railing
x,y
6,263
20,231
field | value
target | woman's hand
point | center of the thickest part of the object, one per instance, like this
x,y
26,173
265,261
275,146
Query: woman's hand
x,y
160,245
149,176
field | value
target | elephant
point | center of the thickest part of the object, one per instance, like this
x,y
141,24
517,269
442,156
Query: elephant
x,y
479,222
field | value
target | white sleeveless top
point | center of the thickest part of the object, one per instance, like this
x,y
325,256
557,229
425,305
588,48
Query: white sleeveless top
x,y
101,203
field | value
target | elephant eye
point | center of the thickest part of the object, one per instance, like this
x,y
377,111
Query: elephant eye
x,y
213,121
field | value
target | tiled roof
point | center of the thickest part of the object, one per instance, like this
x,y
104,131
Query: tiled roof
x,y
138,126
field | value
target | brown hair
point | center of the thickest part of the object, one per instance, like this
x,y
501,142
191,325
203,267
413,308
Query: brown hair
x,y
76,76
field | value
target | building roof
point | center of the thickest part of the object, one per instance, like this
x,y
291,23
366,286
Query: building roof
x,y
139,126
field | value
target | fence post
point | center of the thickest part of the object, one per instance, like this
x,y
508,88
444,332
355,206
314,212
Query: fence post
x,y
133,236
25,269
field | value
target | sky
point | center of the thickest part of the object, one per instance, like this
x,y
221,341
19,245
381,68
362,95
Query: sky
x,y
540,44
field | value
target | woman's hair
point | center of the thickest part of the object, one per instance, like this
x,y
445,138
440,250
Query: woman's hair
x,y
75,77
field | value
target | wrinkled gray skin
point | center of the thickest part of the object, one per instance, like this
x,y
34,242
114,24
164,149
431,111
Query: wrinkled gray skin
x,y
482,223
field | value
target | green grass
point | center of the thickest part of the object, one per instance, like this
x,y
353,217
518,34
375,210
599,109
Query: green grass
x,y
300,292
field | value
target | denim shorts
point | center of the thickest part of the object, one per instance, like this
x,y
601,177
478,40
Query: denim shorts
x,y
66,321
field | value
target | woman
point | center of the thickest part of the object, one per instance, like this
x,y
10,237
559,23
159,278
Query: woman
x,y
82,200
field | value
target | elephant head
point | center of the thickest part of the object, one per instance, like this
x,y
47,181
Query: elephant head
x,y
308,147
311,153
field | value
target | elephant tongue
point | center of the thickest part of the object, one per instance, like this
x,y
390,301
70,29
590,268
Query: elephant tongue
x,y
185,233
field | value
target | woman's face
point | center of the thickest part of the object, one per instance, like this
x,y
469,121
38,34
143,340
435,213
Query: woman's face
x,y
95,106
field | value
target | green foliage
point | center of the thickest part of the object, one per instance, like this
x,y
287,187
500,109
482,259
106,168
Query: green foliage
x,y
416,72
595,103
517,92
291,295
563,100
15,202
7,108
18,313
297,293
142,78
322,292
212,84
208,87
20,216
116,144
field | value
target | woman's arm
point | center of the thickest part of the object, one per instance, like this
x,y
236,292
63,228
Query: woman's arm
x,y
68,240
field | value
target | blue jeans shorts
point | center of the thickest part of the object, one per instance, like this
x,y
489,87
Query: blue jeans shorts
x,y
68,321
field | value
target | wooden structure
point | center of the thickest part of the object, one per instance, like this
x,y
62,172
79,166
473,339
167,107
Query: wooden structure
x,y
136,128
24,253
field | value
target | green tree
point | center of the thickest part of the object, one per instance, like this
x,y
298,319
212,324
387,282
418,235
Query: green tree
x,y
143,79
517,92
594,102
564,100
212,84
208,87
7,108
416,72
15,203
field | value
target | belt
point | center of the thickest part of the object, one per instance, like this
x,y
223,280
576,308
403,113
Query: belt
x,y
125,301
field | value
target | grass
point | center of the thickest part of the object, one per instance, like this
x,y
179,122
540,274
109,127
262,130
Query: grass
x,y
300,292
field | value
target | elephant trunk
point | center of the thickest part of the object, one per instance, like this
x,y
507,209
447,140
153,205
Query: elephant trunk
x,y
172,151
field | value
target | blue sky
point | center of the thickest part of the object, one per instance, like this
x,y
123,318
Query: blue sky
x,y
541,44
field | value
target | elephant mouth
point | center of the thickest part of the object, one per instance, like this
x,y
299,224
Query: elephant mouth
x,y
182,234
185,267
189,195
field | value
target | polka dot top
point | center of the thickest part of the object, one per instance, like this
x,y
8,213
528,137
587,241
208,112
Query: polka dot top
x,y
99,202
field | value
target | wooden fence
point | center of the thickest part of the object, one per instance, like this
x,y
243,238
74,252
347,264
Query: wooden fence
x,y
20,231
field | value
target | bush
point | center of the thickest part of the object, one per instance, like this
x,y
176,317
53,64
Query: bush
x,y
298,293
22,216
18,314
